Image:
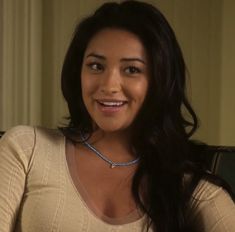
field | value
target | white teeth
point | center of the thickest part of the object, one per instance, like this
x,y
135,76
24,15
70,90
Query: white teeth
x,y
112,103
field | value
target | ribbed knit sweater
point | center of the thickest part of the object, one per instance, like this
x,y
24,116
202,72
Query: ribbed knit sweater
x,y
37,193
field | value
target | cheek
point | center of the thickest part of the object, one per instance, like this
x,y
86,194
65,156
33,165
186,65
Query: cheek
x,y
141,91
88,86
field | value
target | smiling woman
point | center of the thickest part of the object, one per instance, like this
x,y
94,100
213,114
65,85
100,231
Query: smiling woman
x,y
114,79
124,160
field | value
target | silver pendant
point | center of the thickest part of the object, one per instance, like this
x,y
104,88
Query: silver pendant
x,y
112,166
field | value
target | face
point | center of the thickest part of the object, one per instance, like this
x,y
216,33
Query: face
x,y
114,79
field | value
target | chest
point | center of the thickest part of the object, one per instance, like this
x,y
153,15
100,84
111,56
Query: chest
x,y
52,201
106,191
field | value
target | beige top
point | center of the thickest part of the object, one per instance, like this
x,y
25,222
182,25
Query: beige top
x,y
37,192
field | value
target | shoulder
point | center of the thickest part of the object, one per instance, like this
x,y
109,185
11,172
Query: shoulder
x,y
23,134
18,136
18,131
207,191
212,208
16,147
20,141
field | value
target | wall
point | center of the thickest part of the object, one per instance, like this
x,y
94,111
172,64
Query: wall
x,y
198,25
227,100
20,77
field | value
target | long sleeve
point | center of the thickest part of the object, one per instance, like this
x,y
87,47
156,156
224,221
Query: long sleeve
x,y
212,209
16,148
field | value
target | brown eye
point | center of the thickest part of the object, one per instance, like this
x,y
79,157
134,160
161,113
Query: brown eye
x,y
95,67
132,70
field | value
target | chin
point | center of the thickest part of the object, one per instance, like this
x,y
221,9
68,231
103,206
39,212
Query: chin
x,y
111,128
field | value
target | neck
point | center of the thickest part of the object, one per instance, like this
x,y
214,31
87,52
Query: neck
x,y
115,145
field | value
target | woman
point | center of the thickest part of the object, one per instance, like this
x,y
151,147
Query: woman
x,y
123,161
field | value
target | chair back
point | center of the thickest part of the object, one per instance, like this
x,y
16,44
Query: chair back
x,y
223,163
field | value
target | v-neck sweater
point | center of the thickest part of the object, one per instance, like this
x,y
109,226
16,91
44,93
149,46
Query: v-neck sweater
x,y
37,193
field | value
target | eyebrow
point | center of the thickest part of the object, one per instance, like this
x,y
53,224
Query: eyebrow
x,y
123,59
133,59
96,55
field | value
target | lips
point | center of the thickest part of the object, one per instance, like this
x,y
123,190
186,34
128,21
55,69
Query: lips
x,y
110,105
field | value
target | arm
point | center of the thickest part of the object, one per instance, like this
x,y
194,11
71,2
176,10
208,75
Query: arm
x,y
16,148
212,209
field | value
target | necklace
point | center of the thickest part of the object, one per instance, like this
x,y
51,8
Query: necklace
x,y
110,162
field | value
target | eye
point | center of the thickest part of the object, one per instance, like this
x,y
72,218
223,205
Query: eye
x,y
132,70
95,67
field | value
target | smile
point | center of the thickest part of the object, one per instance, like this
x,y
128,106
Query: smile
x,y
112,103
110,107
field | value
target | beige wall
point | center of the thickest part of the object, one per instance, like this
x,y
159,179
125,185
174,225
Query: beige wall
x,y
205,30
20,85
227,99
197,24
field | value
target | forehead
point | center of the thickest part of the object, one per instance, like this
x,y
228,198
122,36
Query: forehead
x,y
116,42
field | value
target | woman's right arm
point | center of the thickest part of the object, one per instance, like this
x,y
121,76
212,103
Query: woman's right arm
x,y
16,149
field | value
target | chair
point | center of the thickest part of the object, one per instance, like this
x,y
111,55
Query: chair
x,y
223,162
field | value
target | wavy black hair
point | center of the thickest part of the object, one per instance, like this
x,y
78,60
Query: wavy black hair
x,y
164,124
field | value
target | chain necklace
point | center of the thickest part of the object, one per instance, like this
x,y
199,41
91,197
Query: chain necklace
x,y
107,160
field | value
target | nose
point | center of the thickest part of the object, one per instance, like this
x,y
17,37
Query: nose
x,y
111,82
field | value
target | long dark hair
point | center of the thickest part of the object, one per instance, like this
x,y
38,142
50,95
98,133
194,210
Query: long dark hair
x,y
164,124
